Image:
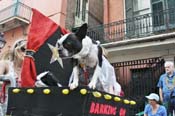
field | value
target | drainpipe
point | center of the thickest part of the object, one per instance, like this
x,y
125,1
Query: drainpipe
x,y
16,8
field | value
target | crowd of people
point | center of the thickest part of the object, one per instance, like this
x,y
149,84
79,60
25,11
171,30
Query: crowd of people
x,y
166,85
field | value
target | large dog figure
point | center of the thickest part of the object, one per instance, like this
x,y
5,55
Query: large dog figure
x,y
89,53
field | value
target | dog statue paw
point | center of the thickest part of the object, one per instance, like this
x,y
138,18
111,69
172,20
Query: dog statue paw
x,y
73,85
92,85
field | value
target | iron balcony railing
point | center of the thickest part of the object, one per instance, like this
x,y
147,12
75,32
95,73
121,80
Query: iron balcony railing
x,y
16,10
136,27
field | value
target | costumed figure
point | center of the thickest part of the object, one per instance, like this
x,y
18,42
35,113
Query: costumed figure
x,y
10,69
88,52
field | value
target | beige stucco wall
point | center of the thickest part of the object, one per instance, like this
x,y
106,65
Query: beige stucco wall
x,y
54,9
5,3
12,35
113,10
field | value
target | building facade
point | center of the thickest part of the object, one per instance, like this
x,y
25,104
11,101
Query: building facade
x,y
139,38
140,20
139,35
15,17
84,11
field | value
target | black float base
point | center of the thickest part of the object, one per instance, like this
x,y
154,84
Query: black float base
x,y
60,102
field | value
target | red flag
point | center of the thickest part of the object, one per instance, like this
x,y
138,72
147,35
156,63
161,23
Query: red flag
x,y
41,29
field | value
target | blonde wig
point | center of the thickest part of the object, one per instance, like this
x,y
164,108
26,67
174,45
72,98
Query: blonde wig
x,y
18,52
18,47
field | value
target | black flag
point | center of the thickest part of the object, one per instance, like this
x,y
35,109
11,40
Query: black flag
x,y
42,52
47,59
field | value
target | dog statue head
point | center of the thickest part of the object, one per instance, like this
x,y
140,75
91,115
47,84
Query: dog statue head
x,y
71,43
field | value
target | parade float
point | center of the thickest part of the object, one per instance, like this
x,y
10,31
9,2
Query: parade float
x,y
41,55
54,101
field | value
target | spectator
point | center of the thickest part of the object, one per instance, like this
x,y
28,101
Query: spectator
x,y
154,108
10,67
166,85
11,62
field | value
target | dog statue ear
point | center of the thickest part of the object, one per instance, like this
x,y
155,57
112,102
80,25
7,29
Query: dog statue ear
x,y
81,33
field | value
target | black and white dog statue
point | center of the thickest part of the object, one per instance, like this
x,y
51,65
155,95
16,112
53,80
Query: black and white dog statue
x,y
86,51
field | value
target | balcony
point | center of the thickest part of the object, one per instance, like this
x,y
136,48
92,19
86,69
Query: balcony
x,y
134,28
14,16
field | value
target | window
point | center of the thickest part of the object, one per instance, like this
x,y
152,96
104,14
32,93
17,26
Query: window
x,y
81,9
171,7
78,8
84,10
158,17
135,4
171,3
81,15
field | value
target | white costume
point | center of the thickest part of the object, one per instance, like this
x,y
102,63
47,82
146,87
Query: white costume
x,y
108,78
10,76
